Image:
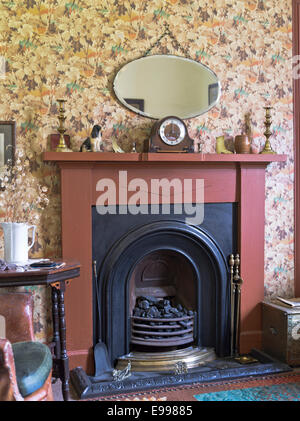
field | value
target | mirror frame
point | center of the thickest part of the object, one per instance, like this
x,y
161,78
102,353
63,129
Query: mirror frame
x,y
144,114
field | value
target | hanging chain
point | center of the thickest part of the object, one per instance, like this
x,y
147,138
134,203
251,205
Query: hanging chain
x,y
167,32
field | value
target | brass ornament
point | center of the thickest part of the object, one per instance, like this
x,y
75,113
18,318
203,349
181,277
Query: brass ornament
x,y
220,145
235,302
232,306
238,282
267,148
62,147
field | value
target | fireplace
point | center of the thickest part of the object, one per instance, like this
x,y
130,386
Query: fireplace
x,y
232,180
163,284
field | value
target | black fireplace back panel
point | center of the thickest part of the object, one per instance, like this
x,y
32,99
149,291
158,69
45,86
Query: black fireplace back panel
x,y
220,223
220,220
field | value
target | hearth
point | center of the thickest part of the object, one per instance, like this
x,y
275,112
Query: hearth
x,y
220,369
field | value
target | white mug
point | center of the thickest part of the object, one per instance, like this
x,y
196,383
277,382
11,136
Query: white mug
x,y
16,245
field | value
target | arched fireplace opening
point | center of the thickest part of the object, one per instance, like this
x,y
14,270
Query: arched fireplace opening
x,y
162,302
164,261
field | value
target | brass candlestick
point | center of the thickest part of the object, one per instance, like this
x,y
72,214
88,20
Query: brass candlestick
x,y
267,148
232,303
235,302
62,147
238,282
236,285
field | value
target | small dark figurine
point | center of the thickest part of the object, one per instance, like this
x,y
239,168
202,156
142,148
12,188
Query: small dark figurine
x,y
94,142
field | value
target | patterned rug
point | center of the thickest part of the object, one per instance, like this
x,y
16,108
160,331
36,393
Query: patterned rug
x,y
279,387
279,392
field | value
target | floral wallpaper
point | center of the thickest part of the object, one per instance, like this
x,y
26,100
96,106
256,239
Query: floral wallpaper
x,y
72,49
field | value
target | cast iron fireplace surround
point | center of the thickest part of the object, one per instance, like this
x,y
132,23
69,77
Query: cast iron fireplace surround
x,y
121,241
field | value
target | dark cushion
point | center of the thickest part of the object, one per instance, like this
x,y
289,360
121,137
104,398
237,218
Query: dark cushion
x,y
33,363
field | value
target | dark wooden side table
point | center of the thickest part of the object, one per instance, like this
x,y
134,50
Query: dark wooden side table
x,y
57,279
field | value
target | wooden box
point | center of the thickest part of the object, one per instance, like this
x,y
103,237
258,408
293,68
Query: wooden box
x,y
281,332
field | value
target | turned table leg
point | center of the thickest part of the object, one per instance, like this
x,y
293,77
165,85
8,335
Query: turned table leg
x,y
63,347
55,319
59,328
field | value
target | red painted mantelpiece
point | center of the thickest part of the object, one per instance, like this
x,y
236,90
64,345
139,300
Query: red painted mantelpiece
x,y
227,178
160,157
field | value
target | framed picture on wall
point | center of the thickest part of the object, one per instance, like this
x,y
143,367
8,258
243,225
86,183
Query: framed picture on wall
x,y
7,142
7,145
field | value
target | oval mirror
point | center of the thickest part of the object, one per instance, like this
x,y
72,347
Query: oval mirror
x,y
161,85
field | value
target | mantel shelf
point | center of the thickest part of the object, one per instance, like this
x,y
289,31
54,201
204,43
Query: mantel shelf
x,y
94,157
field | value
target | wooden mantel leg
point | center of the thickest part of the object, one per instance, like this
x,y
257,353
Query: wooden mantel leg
x,y
76,190
251,247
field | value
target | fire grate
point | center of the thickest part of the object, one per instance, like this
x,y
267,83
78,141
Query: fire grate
x,y
175,326
162,332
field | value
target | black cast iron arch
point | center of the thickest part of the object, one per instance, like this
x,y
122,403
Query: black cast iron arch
x,y
115,271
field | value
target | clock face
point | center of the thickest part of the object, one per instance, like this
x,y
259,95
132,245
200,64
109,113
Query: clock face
x,y
172,131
